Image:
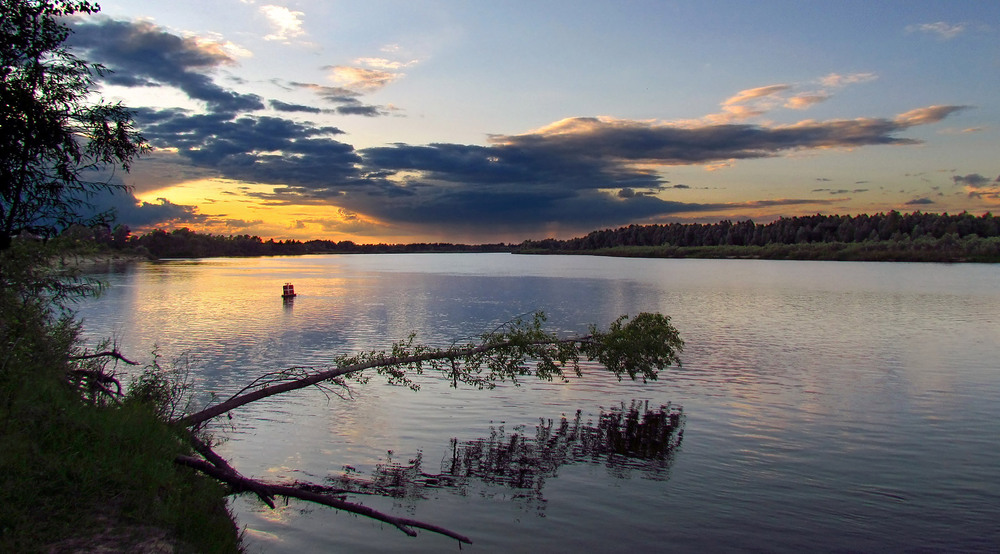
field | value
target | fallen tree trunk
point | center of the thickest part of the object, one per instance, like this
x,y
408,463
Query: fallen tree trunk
x,y
241,484
640,349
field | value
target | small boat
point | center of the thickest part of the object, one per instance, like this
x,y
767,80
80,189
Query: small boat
x,y
288,291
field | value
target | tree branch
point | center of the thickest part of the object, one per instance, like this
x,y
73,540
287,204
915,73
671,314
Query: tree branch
x,y
240,483
380,361
108,354
639,348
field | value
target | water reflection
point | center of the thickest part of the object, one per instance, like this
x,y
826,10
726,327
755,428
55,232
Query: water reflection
x,y
624,440
812,389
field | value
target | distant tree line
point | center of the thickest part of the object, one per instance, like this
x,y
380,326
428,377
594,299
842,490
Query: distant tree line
x,y
185,243
891,226
896,236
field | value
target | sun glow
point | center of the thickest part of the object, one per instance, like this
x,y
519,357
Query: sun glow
x,y
235,208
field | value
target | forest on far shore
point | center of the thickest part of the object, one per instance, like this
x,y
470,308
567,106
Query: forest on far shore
x,y
891,236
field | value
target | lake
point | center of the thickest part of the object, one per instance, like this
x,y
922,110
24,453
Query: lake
x,y
827,406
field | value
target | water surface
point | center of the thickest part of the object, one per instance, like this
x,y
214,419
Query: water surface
x,y
827,406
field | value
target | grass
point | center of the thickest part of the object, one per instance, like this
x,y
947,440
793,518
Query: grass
x,y
81,476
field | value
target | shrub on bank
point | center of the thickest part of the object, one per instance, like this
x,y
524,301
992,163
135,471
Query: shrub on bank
x,y
79,471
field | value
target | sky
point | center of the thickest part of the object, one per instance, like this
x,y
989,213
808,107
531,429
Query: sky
x,y
474,122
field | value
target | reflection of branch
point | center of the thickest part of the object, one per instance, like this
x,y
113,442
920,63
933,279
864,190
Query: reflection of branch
x,y
633,437
639,348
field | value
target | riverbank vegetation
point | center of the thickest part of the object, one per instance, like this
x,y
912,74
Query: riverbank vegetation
x,y
892,236
87,459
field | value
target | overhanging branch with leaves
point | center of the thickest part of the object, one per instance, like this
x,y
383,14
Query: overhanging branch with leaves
x,y
638,347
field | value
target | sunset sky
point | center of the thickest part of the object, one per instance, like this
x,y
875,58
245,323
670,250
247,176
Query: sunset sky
x,y
481,122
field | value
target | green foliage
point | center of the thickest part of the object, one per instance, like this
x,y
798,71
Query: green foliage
x,y
890,236
185,243
54,138
73,467
639,348
164,391
523,347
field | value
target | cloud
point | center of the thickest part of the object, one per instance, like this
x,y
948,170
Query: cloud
x,y
144,215
836,80
368,74
142,54
758,101
287,24
919,201
383,63
361,79
754,93
346,99
242,223
973,180
923,116
587,171
286,107
944,31
578,172
253,149
805,101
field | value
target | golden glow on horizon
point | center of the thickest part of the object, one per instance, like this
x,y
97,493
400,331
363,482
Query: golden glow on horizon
x,y
236,208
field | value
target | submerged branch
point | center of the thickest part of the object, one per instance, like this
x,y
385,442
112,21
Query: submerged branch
x,y
639,348
240,483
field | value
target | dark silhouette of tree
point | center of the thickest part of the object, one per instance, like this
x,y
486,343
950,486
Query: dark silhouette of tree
x,y
54,141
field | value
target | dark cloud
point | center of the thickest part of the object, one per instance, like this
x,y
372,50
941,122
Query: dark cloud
x,y
242,223
582,172
286,107
973,180
253,148
346,99
142,54
585,171
334,95
622,142
919,201
137,214
368,111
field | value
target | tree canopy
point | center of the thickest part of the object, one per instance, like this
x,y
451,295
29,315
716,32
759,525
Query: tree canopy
x,y
55,141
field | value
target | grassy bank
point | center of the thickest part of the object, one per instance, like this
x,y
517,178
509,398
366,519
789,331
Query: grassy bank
x,y
83,475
